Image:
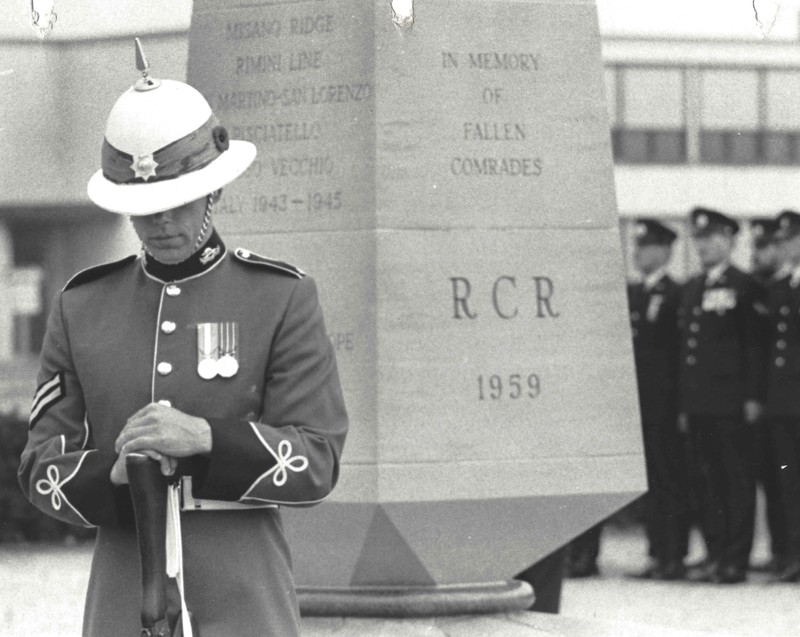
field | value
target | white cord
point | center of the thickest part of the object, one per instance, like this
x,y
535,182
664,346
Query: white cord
x,y
175,551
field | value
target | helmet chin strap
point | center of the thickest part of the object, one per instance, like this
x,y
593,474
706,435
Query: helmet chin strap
x,y
206,222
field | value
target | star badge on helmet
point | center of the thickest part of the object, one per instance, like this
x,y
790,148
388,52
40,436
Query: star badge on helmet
x,y
144,166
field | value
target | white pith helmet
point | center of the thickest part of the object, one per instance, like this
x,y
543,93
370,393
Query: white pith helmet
x,y
163,148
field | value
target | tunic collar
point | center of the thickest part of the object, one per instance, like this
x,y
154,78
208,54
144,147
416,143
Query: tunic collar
x,y
201,261
716,273
782,272
654,278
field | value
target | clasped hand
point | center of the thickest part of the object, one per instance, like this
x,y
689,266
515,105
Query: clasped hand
x,y
164,434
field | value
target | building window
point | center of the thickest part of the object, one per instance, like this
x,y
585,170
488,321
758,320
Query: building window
x,y
648,119
748,117
649,146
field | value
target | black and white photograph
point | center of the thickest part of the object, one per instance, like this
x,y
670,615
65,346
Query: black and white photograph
x,y
465,318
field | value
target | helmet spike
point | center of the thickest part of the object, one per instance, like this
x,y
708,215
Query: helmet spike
x,y
141,59
145,83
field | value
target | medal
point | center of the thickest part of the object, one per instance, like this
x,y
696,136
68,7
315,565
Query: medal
x,y
217,350
207,350
227,365
207,368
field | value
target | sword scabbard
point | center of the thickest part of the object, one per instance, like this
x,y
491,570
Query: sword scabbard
x,y
149,494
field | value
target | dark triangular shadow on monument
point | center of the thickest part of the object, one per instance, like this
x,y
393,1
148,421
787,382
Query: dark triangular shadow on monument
x,y
386,559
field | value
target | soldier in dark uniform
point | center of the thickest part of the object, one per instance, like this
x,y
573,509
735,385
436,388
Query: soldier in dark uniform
x,y
722,359
783,404
768,267
653,304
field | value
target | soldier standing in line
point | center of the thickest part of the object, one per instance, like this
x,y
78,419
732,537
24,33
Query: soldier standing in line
x,y
769,267
783,406
653,304
722,319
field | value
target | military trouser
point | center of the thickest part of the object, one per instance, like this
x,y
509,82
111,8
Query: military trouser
x,y
786,449
724,451
667,507
769,448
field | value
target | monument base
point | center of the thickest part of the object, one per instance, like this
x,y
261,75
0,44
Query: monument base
x,y
415,601
518,624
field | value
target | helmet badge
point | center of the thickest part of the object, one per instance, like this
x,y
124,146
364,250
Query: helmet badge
x,y
144,166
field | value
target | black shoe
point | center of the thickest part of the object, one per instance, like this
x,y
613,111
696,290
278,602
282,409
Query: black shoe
x,y
662,571
673,571
651,572
730,574
705,571
582,568
775,564
790,573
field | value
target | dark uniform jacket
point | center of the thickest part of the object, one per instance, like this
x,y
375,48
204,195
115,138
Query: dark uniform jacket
x,y
119,338
722,356
783,389
654,324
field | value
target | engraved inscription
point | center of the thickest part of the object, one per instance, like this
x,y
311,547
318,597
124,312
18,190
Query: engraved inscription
x,y
277,132
282,99
498,164
509,298
294,96
496,387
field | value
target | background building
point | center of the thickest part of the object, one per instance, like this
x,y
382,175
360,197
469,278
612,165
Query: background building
x,y
702,101
701,97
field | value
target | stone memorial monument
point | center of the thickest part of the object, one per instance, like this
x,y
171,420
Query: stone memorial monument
x,y
449,185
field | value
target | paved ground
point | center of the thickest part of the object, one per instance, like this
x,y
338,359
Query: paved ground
x,y
755,608
42,588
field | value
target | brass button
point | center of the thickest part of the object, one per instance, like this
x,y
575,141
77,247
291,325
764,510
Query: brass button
x,y
780,361
165,402
781,344
694,327
691,360
168,327
692,342
173,290
164,368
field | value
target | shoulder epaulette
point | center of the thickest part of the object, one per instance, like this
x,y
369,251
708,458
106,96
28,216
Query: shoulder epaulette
x,y
97,272
245,256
